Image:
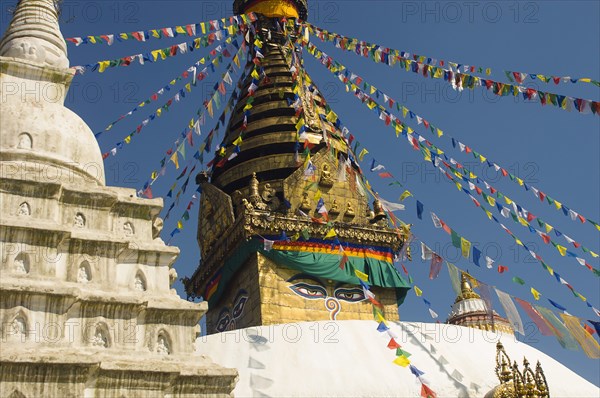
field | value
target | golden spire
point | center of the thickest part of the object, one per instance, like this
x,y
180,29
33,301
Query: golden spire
x,y
517,384
466,292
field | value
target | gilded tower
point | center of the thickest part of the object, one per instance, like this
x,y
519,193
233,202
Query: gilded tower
x,y
285,223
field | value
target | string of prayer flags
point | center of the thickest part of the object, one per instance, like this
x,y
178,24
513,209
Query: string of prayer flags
x,y
384,54
523,213
459,81
190,30
335,68
402,356
159,54
186,134
521,77
198,156
181,93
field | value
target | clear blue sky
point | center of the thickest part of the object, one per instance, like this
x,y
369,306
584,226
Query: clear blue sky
x,y
549,148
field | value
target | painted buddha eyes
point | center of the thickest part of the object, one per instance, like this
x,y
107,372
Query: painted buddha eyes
x,y
306,290
223,321
238,308
352,295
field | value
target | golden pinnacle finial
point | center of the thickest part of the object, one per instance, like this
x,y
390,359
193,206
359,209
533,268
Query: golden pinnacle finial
x,y
517,384
466,291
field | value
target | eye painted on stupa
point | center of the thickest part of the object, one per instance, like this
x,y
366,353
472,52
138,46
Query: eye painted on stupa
x,y
308,287
223,320
239,304
309,291
351,295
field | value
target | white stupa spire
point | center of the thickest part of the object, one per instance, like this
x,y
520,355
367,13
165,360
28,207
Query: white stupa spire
x,y
42,140
34,34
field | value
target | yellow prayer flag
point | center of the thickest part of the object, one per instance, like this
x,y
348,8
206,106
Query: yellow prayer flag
x,y
482,158
523,222
332,117
258,43
158,112
418,292
489,213
362,154
458,186
405,195
536,294
548,228
180,29
317,195
188,87
175,160
179,224
491,200
465,247
588,344
127,139
404,112
520,181
439,133
488,71
155,33
254,74
103,65
409,130
562,250
361,275
331,234
154,175
238,141
558,205
402,361
594,254
399,128
507,200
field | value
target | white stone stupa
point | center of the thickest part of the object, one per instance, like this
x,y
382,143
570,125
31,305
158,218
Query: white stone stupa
x,y
86,307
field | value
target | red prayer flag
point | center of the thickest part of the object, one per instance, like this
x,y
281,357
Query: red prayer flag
x,y
343,261
545,237
536,317
427,392
587,329
393,344
404,269
542,196
504,172
385,175
502,269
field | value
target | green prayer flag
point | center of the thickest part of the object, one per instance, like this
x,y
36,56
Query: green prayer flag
x,y
455,239
518,280
400,352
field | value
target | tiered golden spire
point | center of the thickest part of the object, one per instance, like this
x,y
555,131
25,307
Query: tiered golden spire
x,y
517,384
